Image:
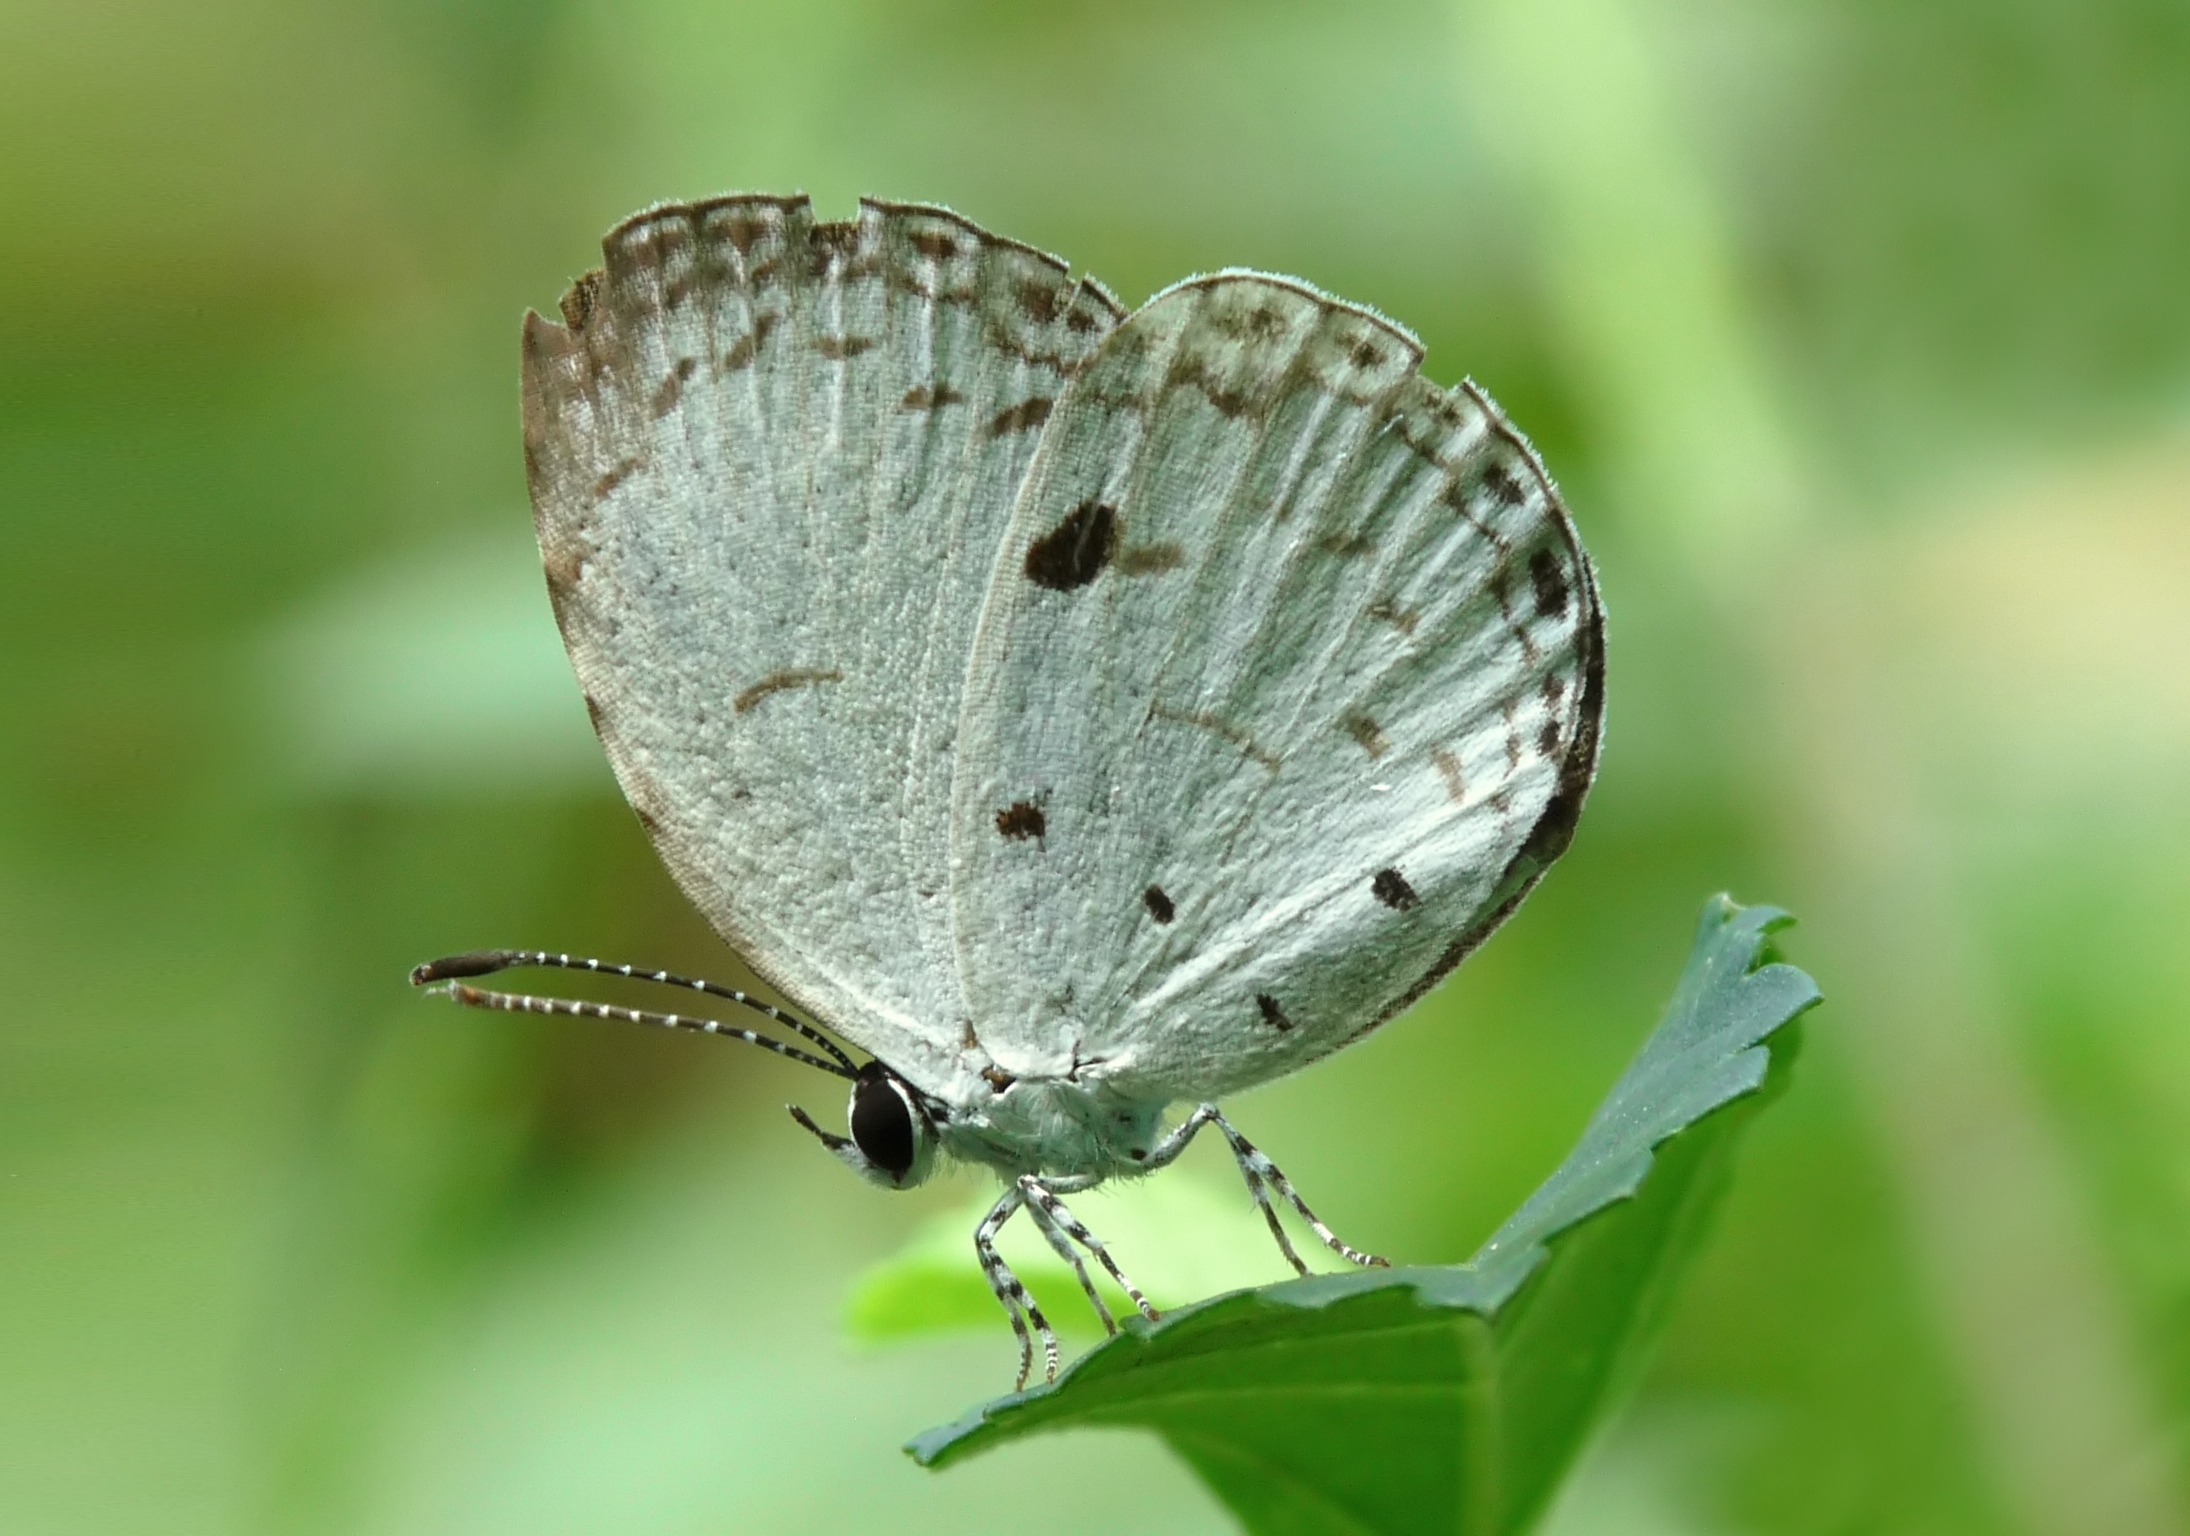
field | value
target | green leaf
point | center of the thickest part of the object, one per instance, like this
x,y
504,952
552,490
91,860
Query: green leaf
x,y
1453,1399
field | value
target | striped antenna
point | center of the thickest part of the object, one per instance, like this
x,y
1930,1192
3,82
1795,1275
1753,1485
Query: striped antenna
x,y
518,1002
485,962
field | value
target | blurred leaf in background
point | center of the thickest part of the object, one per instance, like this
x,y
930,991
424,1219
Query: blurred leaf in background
x,y
1857,337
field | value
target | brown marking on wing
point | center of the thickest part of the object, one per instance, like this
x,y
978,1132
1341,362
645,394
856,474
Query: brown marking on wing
x,y
1042,302
563,565
1150,559
1023,417
581,298
935,244
1158,904
747,347
672,388
1448,769
1366,731
1262,323
1347,546
624,470
1272,1014
928,397
1546,575
1501,587
1457,499
1234,733
776,682
830,243
1195,372
838,348
1504,488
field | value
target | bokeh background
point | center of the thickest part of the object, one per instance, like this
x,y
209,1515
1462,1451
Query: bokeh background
x,y
1859,337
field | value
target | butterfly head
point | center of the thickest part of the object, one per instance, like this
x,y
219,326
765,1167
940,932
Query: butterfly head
x,y
893,1136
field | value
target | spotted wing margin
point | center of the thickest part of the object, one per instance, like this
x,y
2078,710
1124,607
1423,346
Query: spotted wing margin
x,y
1286,690
770,461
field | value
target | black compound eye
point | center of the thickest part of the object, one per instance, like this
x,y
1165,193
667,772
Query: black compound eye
x,y
882,1126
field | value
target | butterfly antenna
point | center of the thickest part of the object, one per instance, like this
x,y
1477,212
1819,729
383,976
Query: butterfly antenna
x,y
485,962
518,1002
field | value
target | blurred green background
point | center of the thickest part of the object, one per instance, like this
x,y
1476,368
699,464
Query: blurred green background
x,y
1859,337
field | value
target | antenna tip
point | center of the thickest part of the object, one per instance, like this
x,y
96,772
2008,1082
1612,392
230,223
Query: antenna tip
x,y
477,962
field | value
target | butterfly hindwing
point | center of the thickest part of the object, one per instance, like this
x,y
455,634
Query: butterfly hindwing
x,y
771,459
1287,688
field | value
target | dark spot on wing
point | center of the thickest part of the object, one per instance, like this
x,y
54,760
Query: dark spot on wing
x,y
594,713
927,397
1150,559
935,244
1367,354
1366,731
1547,739
776,682
624,470
1022,819
747,347
1158,904
1391,888
648,820
1272,1014
838,348
1502,487
1550,582
1073,553
1554,691
1023,417
1347,546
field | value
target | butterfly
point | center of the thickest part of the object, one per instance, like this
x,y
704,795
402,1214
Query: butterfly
x,y
1078,712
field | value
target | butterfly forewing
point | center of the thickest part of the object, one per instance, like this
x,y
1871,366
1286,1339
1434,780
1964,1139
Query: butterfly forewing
x,y
1286,689
771,460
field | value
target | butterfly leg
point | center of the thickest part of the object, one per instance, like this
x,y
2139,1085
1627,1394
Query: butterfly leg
x,y
1019,1306
1261,1175
1042,1219
1045,1204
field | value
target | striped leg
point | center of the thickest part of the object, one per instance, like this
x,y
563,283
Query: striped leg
x,y
1259,1172
1040,1216
1018,1305
1047,1204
